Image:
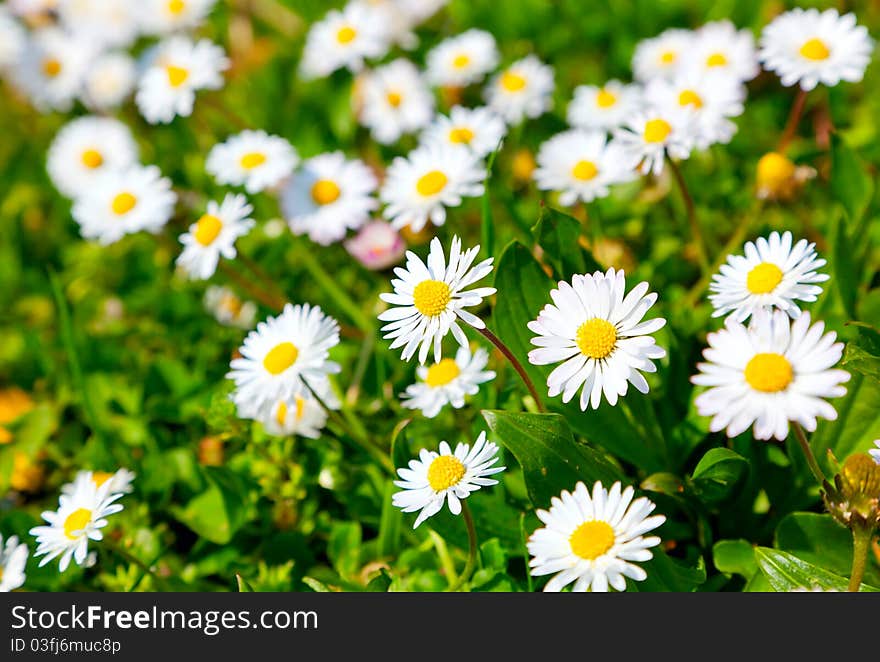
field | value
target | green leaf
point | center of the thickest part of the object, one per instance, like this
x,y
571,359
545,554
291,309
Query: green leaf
x,y
717,474
379,583
344,548
243,586
316,586
863,353
218,512
559,235
550,458
844,265
857,424
390,520
787,572
735,557
670,575
850,183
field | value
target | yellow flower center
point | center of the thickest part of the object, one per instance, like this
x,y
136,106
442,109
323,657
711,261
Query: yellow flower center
x,y
716,60
430,297
763,278
768,372
596,338
51,67
252,159
690,98
815,49
101,477
461,61
461,134
584,170
325,191
123,203
280,358
394,99
76,522
591,539
657,130
668,57
92,158
444,472
231,304
281,414
431,183
176,7
176,75
605,99
774,170
346,34
207,229
512,82
440,374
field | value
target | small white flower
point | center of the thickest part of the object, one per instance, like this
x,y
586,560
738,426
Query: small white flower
x,y
447,477
302,415
772,274
107,23
252,159
462,60
52,67
522,90
598,337
109,81
662,56
329,196
448,381
377,245
13,39
344,39
86,148
649,136
228,309
768,374
13,559
123,202
808,47
167,16
79,518
606,108
479,129
594,541
581,165
875,452
720,48
429,299
433,177
214,235
395,100
179,69
282,357
118,481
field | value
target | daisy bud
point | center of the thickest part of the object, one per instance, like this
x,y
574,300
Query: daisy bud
x,y
856,501
27,473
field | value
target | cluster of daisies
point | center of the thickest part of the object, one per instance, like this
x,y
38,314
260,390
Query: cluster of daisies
x,y
83,508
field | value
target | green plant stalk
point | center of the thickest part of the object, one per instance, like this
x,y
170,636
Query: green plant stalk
x,y
861,545
472,549
794,118
131,558
443,554
495,340
693,221
332,288
522,534
487,228
808,453
264,297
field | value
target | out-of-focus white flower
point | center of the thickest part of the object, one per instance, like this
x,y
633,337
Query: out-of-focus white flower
x,y
52,68
214,235
463,59
479,129
344,39
252,159
109,81
662,56
606,108
394,100
522,90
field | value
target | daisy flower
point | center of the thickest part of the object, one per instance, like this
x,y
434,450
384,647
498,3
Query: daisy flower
x,y
522,90
662,56
13,39
282,357
462,60
123,202
772,274
252,159
479,129
429,299
448,381
395,100
768,374
344,39
598,337
36,12
808,47
875,452
213,235
229,309
87,148
302,416
180,68
649,136
52,67
581,165
449,477
118,481
377,245
594,541
167,16
432,177
606,108
13,559
107,23
80,517
109,81
719,48
328,196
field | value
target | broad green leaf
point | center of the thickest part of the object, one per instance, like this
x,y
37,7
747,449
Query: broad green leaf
x,y
735,557
344,548
219,511
717,474
787,572
844,265
850,183
857,424
666,574
379,583
863,353
559,235
550,458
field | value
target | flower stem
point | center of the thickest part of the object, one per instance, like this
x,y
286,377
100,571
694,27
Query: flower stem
x,y
472,549
693,222
495,340
861,543
262,277
808,453
794,118
264,297
331,286
131,558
